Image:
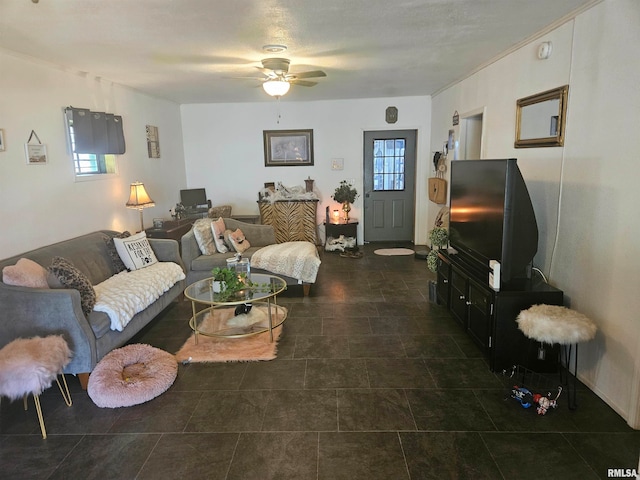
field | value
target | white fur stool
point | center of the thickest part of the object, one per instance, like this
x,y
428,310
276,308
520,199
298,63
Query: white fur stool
x,y
30,365
553,324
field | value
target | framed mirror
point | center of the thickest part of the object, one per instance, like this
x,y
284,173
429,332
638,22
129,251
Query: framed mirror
x,y
540,119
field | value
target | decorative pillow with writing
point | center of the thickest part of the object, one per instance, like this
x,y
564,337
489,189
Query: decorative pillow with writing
x,y
25,273
218,228
203,231
62,274
135,251
237,240
118,266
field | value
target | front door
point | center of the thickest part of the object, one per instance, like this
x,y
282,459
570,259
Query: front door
x,y
389,185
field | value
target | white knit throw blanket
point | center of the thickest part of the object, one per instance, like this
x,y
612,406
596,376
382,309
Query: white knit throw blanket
x,y
127,293
299,260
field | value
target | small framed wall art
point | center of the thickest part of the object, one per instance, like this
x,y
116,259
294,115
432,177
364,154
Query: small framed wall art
x,y
153,142
288,148
35,153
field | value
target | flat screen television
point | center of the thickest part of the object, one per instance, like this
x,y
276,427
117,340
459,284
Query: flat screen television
x,y
193,198
492,217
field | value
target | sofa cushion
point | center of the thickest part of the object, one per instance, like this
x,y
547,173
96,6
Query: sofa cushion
x,y
62,274
124,295
135,251
25,273
118,265
218,235
203,231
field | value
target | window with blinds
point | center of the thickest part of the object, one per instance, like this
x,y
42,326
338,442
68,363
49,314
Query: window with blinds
x,y
95,138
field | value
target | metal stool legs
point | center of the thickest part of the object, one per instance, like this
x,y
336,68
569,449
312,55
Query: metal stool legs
x,y
36,400
570,378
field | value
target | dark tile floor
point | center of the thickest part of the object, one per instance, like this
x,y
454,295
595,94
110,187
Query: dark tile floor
x,y
372,381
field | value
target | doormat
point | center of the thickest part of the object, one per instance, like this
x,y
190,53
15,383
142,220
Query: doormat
x,y
388,252
252,348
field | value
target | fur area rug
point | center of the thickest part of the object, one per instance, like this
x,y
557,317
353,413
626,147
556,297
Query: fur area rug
x,y
251,348
555,324
30,365
131,375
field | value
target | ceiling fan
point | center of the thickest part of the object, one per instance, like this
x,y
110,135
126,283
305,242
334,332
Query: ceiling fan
x,y
278,80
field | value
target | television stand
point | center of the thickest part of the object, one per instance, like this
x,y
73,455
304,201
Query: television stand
x,y
489,316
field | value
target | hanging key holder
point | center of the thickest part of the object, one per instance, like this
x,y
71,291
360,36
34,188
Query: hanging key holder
x,y
36,153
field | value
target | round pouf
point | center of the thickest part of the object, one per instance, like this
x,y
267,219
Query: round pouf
x,y
131,375
555,324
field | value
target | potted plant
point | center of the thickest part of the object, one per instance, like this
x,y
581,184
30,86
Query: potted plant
x,y
345,194
226,282
438,237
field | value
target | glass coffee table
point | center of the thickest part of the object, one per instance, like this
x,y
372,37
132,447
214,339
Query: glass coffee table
x,y
219,318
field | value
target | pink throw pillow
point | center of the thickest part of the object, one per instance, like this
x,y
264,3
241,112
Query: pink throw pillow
x,y
218,228
25,273
239,241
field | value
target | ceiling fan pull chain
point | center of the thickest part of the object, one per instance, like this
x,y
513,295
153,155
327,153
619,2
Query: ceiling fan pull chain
x,y
278,111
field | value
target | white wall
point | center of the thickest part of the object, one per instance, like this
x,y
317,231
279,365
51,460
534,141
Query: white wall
x,y
41,204
224,148
591,181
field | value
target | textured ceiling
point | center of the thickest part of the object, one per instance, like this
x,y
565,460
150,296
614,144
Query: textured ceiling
x,y
188,51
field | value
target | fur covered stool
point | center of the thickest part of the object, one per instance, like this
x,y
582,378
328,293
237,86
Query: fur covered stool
x,y
553,324
30,365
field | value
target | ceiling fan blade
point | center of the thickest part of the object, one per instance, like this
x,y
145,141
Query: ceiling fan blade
x,y
311,74
302,83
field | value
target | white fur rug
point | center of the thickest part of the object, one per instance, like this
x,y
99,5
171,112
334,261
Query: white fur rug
x,y
555,324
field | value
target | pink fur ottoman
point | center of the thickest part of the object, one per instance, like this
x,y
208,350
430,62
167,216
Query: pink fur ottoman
x,y
28,366
131,375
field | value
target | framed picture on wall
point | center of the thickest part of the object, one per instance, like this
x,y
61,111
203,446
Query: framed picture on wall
x,y
36,153
153,142
288,148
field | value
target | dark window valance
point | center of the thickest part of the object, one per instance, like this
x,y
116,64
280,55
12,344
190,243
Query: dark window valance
x,y
96,132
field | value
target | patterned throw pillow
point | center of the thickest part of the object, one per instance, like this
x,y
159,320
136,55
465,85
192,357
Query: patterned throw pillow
x,y
203,231
135,251
118,266
218,235
25,273
62,274
237,240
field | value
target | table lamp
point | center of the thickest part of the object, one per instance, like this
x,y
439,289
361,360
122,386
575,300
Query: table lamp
x,y
139,199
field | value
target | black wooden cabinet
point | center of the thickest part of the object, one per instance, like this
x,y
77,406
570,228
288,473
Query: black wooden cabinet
x,y
489,316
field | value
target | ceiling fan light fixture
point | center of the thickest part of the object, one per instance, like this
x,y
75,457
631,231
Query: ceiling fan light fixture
x,y
276,88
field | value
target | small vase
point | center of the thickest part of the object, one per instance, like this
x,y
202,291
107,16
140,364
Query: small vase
x,y
346,208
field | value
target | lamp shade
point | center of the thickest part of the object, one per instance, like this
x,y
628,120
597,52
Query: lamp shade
x,y
276,88
138,197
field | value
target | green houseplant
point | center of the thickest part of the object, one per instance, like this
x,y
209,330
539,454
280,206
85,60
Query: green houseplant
x,y
230,282
439,238
345,194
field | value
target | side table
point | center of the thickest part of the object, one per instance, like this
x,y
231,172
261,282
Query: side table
x,y
334,230
172,229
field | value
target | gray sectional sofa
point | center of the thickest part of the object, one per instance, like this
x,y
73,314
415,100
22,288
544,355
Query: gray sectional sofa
x,y
199,266
27,311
